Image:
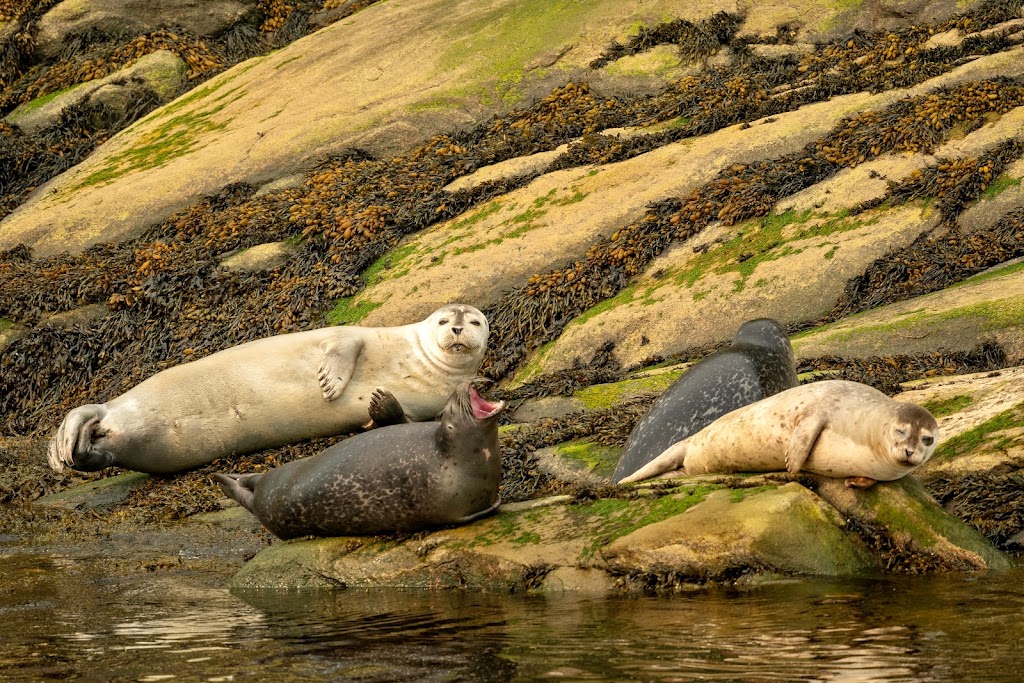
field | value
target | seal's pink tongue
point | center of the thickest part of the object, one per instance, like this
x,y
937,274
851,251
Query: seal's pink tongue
x,y
482,408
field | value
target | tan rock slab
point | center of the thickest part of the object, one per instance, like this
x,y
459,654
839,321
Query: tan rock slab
x,y
686,299
383,79
988,307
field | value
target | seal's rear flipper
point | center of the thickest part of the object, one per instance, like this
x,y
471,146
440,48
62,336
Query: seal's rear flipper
x,y
385,410
480,515
74,444
239,487
672,458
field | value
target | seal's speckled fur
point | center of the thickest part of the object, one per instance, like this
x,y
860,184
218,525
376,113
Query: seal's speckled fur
x,y
759,363
835,428
399,478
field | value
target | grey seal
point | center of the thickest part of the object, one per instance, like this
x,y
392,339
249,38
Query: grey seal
x,y
835,428
757,364
274,391
403,477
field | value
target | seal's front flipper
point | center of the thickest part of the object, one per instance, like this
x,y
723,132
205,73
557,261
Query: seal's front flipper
x,y
671,459
239,487
860,482
801,442
385,410
480,515
337,365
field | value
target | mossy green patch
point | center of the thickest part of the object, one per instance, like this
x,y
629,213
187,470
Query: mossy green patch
x,y
986,437
609,519
601,396
767,239
179,134
42,100
992,315
989,274
506,527
592,457
534,365
348,311
1000,185
626,296
526,30
390,266
4,324
948,406
736,495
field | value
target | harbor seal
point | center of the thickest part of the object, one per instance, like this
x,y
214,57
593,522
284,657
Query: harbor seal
x,y
835,428
404,477
759,363
274,391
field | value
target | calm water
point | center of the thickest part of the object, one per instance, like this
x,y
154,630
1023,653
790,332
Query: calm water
x,y
59,620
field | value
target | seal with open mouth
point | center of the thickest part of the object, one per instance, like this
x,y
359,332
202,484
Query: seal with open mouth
x,y
274,391
403,477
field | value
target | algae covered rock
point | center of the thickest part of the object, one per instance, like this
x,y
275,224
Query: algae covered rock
x,y
698,533
787,530
161,71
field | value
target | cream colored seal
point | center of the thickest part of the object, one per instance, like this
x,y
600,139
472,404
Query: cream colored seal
x,y
834,428
274,391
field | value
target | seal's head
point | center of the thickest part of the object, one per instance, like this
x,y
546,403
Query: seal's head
x,y
459,330
912,435
764,332
467,409
469,435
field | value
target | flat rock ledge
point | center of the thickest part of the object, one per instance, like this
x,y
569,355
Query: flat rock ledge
x,y
702,531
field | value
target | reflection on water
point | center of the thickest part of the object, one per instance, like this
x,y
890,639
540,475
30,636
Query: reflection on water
x,y
58,621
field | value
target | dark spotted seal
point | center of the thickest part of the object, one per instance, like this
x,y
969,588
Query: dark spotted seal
x,y
274,391
834,428
398,478
759,363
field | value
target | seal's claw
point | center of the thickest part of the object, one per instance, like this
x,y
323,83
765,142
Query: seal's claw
x,y
385,409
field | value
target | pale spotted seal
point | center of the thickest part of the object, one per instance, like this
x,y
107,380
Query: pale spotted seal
x,y
274,391
759,363
403,477
834,428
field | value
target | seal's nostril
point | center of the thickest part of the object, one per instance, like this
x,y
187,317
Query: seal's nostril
x,y
909,452
457,330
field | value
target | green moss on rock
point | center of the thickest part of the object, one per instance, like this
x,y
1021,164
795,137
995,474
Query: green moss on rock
x,y
987,436
601,396
948,406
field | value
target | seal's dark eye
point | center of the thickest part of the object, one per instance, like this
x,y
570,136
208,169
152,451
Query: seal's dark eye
x,y
927,440
444,321
475,322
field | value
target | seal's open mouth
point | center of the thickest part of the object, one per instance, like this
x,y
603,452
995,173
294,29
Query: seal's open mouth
x,y
457,348
483,409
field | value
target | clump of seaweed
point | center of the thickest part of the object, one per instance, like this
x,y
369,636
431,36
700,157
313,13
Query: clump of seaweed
x,y
696,41
602,368
887,373
28,161
932,263
521,479
989,501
